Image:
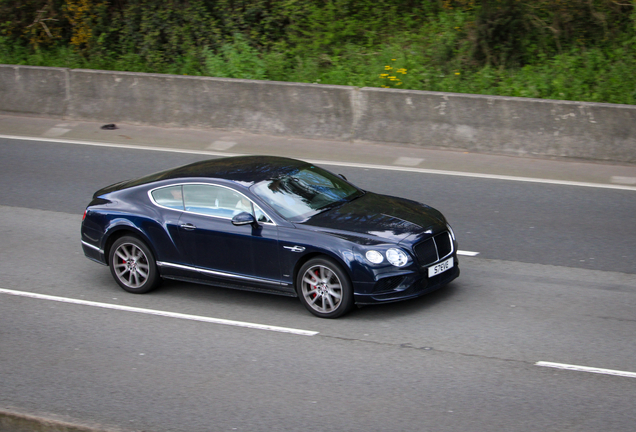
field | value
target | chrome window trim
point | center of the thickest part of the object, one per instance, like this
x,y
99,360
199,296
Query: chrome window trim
x,y
92,247
216,273
152,199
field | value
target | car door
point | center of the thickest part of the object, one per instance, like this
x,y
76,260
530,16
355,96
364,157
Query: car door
x,y
246,254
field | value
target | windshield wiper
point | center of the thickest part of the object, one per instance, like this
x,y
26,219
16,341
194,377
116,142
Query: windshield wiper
x,y
331,206
361,193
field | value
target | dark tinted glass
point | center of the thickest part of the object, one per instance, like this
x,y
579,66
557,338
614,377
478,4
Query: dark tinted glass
x,y
305,192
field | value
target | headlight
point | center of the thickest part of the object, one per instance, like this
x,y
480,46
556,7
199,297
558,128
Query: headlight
x,y
374,256
397,257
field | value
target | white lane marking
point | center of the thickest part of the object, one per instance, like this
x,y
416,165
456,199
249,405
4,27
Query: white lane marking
x,y
408,161
467,253
476,175
122,146
623,180
161,313
55,132
341,164
222,145
586,369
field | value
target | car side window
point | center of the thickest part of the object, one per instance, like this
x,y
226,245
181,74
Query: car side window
x,y
171,197
215,201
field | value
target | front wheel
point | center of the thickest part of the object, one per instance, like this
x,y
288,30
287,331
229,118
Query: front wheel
x,y
324,288
133,266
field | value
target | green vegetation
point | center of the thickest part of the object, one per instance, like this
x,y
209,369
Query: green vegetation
x,y
558,49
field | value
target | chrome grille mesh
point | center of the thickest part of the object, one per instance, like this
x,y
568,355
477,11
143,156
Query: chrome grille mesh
x,y
434,249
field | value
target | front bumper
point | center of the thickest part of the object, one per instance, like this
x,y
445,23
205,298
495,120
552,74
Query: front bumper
x,y
403,287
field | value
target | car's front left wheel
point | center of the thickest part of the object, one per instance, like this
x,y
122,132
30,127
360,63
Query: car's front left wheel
x,y
133,265
324,288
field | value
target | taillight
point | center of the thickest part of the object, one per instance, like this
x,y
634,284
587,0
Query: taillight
x,y
84,217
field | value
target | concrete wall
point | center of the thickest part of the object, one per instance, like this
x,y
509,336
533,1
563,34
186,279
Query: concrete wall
x,y
33,90
506,125
256,106
493,124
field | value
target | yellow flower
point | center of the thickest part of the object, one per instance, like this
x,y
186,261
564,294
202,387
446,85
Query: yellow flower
x,y
387,67
457,73
402,71
393,59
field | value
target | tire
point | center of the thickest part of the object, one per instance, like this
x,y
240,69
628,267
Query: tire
x,y
133,266
324,288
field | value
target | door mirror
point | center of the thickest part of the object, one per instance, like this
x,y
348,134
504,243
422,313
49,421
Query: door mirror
x,y
243,218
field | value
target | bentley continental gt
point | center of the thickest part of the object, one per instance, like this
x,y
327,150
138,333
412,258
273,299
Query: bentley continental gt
x,y
269,224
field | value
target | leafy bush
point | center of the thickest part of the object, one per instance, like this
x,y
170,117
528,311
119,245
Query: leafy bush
x,y
562,49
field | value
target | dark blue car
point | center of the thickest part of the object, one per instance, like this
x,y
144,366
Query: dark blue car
x,y
269,224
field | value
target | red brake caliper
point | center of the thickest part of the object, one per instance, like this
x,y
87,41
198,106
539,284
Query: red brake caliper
x,y
313,296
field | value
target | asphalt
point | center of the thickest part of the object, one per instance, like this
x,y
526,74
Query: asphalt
x,y
371,154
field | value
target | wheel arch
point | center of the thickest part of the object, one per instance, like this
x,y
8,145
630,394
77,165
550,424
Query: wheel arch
x,y
122,231
320,254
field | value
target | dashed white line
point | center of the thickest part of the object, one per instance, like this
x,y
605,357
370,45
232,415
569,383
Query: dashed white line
x,y
342,164
586,369
476,175
222,145
122,146
160,313
467,253
220,321
623,180
408,161
55,132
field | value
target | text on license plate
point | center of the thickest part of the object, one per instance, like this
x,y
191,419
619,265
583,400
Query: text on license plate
x,y
440,268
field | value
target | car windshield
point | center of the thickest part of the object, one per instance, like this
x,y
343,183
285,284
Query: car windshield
x,y
299,195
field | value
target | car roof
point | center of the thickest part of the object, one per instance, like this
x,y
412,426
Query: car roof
x,y
247,170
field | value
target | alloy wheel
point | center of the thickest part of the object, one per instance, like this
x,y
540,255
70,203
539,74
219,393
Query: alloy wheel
x,y
131,265
321,289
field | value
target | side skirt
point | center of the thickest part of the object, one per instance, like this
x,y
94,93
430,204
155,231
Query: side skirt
x,y
235,286
227,280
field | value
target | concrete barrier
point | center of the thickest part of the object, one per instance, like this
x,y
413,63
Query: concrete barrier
x,y
33,90
503,125
268,107
496,124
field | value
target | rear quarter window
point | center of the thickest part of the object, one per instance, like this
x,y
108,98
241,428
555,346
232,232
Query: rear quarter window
x,y
171,197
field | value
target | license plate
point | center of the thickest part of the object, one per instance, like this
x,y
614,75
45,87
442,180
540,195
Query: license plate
x,y
440,268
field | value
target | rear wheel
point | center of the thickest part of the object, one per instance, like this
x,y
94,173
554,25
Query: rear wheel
x,y
133,266
324,288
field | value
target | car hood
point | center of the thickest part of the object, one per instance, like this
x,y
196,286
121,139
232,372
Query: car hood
x,y
380,216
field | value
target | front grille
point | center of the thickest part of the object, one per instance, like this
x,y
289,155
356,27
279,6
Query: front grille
x,y
444,244
426,252
434,249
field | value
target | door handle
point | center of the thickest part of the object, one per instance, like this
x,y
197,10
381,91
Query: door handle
x,y
187,226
